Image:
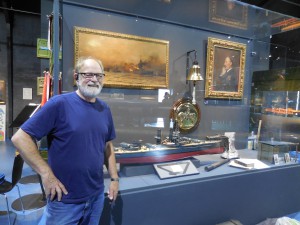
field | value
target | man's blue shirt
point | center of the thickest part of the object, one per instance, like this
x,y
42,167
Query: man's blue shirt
x,y
77,133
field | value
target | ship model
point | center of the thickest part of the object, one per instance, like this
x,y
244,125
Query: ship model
x,y
171,148
283,111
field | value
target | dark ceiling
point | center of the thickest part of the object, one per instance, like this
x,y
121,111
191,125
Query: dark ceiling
x,y
32,6
288,7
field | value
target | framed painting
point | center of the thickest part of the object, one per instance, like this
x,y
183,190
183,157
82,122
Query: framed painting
x,y
129,61
228,13
225,69
2,92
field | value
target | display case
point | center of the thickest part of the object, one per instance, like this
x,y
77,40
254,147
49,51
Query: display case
x,y
139,112
136,108
275,100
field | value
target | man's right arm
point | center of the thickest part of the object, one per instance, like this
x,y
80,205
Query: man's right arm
x,y
29,152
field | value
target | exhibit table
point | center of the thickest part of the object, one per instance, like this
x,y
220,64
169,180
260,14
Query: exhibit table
x,y
224,193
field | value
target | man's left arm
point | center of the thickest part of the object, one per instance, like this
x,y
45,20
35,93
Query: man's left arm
x,y
112,169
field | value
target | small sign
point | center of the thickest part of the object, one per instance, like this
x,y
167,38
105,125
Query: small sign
x,y
287,157
276,159
2,122
27,93
40,85
175,169
42,49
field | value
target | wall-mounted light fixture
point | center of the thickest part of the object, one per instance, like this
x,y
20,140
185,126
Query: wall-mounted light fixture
x,y
193,73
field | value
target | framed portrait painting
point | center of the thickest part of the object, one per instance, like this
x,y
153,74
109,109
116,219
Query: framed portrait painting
x,y
225,69
129,61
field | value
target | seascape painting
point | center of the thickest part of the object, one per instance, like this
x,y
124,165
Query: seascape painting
x,y
129,61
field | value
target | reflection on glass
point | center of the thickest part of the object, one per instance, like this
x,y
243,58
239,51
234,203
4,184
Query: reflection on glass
x,y
158,124
228,13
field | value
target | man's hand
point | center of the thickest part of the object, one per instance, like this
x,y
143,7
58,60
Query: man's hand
x,y
223,72
113,190
53,186
113,172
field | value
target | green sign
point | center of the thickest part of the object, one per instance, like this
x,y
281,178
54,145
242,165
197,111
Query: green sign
x,y
42,49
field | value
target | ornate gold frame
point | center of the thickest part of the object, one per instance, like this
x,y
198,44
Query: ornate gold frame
x,y
186,114
129,61
2,92
217,51
236,15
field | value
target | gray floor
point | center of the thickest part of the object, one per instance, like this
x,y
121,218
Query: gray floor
x,y
32,216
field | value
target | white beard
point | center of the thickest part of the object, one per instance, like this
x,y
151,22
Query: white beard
x,y
89,91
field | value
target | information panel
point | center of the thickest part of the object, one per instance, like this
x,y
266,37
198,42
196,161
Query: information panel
x,y
175,169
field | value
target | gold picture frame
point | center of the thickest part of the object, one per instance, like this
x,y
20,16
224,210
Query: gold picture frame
x,y
228,13
129,61
2,92
222,82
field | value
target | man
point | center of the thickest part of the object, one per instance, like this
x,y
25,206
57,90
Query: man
x,y
227,79
80,130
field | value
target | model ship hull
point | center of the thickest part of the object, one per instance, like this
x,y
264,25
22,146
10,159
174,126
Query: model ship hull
x,y
165,153
282,111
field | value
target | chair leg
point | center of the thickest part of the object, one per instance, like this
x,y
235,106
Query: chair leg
x,y
21,199
7,209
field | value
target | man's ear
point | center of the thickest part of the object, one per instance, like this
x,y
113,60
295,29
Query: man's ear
x,y
75,76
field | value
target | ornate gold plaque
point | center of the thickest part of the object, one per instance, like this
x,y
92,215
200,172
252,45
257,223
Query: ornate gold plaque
x,y
186,114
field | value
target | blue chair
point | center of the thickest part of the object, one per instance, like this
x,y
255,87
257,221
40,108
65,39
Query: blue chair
x,y
7,186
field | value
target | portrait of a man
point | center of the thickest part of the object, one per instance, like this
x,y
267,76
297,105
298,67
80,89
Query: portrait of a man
x,y
227,80
225,69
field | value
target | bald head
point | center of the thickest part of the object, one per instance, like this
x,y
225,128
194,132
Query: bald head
x,y
86,60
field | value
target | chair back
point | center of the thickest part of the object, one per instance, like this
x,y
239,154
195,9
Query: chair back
x,y
17,169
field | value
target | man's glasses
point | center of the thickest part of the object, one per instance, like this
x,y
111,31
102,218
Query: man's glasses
x,y
99,76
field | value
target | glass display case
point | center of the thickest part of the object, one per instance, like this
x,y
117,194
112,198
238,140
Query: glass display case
x,y
281,103
275,100
139,112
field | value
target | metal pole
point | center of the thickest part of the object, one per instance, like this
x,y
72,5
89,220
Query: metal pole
x,y
55,47
10,66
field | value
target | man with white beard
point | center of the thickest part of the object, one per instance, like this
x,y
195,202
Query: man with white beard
x,y
79,128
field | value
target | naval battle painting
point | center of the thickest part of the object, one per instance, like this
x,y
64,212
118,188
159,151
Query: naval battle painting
x,y
129,61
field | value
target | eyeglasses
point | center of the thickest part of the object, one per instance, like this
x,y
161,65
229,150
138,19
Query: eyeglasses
x,y
99,76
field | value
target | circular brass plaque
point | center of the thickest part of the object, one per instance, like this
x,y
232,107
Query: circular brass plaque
x,y
186,114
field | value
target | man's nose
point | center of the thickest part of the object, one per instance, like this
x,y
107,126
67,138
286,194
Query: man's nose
x,y
94,78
